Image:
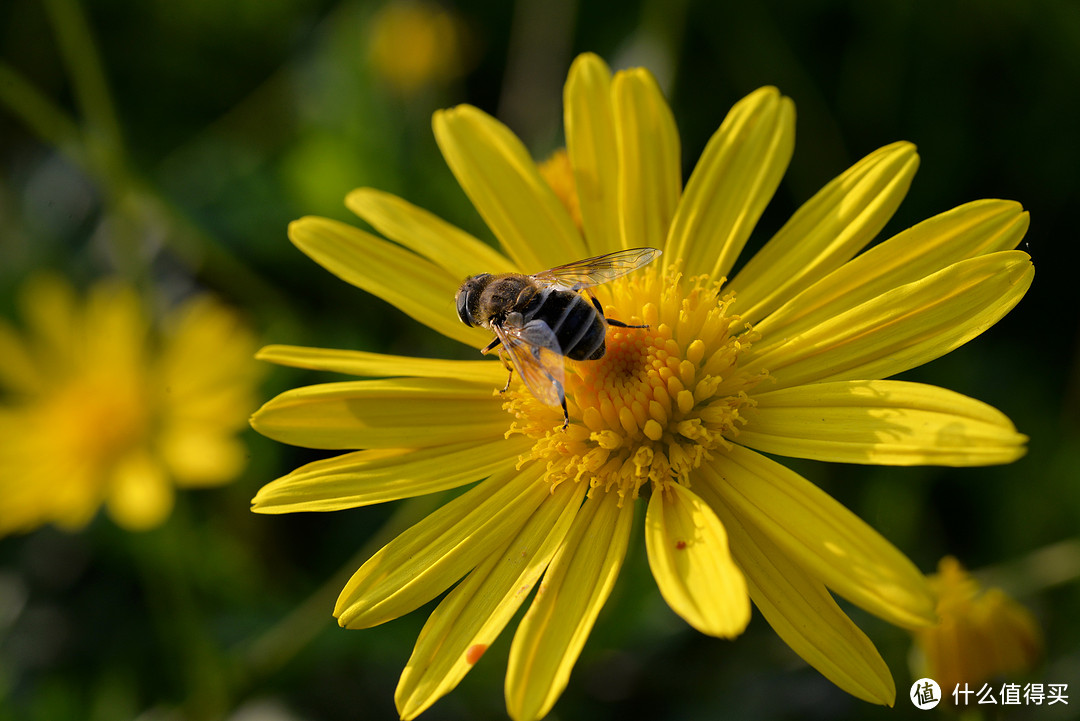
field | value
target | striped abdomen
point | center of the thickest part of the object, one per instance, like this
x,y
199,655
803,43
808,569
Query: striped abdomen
x,y
576,323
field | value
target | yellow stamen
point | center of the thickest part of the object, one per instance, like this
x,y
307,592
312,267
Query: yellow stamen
x,y
661,398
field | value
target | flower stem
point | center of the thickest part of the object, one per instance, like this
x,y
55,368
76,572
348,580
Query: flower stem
x,y
1043,568
44,119
83,62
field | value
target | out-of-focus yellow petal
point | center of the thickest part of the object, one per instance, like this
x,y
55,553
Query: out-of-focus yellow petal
x,y
823,537
386,474
39,482
200,457
732,183
594,153
381,365
428,558
690,560
502,181
970,230
416,286
575,587
881,422
804,614
115,331
828,230
900,329
471,617
48,304
189,372
394,413
650,175
140,496
452,249
19,371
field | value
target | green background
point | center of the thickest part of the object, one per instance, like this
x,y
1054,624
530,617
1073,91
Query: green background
x,y
223,121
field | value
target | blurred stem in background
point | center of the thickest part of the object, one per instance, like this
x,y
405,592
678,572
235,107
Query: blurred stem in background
x,y
101,136
96,145
1038,571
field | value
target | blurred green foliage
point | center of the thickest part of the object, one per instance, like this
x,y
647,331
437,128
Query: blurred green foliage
x,y
173,142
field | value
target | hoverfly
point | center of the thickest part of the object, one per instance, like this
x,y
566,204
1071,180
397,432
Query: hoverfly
x,y
539,319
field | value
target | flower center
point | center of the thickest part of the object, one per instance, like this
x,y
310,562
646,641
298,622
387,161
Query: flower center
x,y
659,400
97,418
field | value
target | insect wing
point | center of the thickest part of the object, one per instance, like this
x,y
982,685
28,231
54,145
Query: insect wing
x,y
594,271
534,351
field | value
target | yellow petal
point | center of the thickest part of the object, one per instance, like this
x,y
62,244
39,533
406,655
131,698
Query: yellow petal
x,y
48,304
575,587
381,365
502,181
395,413
42,482
689,557
19,371
827,231
400,277
732,183
471,617
594,154
115,328
900,329
140,496
650,178
428,558
804,614
452,249
881,422
208,388
970,230
197,456
386,474
824,538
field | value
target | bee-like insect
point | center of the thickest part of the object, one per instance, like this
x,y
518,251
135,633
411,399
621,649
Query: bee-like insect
x,y
539,319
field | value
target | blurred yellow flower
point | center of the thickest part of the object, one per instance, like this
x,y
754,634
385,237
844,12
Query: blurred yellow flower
x,y
414,43
784,358
100,407
980,634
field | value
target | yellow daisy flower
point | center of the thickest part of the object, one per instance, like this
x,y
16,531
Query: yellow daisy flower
x,y
415,43
980,634
100,408
784,358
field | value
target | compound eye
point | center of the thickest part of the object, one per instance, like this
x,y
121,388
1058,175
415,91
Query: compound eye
x,y
463,306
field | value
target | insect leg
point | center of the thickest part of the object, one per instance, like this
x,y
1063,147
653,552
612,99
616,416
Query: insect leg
x,y
620,324
558,386
565,413
502,356
609,321
562,400
509,367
